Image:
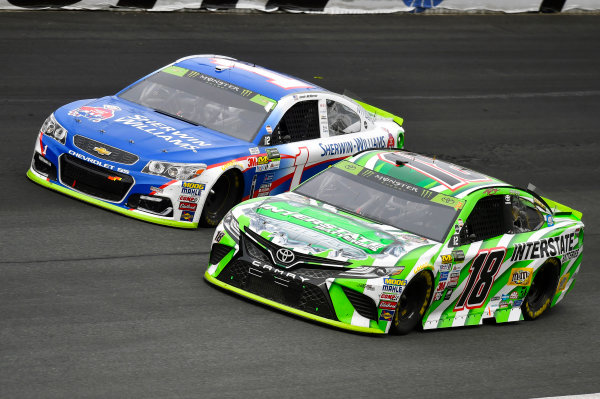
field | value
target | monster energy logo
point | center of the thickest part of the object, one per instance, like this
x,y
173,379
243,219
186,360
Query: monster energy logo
x,y
246,93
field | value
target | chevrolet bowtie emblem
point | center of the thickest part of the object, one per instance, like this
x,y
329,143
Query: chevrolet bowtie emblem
x,y
115,178
102,151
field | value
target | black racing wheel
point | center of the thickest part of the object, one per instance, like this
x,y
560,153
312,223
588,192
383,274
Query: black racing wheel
x,y
225,193
542,290
412,304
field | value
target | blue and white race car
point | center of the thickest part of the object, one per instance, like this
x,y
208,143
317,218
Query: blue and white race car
x,y
183,145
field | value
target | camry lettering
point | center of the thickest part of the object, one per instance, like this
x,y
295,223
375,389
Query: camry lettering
x,y
278,271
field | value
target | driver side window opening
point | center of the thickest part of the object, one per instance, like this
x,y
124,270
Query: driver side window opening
x,y
341,119
486,220
300,122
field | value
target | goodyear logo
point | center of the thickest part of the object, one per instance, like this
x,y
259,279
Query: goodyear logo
x,y
197,186
393,281
386,315
520,276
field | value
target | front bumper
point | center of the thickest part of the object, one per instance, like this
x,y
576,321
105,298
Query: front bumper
x,y
308,290
114,186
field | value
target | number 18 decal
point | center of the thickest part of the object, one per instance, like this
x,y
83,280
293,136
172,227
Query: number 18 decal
x,y
482,275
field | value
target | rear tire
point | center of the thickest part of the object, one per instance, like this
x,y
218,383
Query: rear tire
x,y
541,291
224,194
412,304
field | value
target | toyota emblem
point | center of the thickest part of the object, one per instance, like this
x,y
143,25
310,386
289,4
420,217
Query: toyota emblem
x,y
284,255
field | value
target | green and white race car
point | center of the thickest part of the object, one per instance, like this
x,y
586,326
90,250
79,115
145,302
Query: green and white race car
x,y
387,240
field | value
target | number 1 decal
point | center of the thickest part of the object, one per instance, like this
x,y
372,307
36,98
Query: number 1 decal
x,y
300,162
482,275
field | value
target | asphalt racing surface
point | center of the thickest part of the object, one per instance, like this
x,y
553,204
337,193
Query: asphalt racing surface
x,y
94,304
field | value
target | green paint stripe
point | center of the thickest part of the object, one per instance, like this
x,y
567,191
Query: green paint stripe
x,y
285,308
381,112
102,204
175,70
264,101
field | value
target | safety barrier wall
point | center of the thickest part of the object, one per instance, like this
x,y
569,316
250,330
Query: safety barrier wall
x,y
312,6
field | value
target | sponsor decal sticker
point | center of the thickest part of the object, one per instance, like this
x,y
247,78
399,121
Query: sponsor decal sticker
x,y
95,114
448,294
520,276
458,255
386,315
514,295
544,248
392,289
446,258
192,188
187,198
518,303
387,305
490,191
562,283
188,206
437,296
114,178
444,276
390,297
393,281
445,267
187,216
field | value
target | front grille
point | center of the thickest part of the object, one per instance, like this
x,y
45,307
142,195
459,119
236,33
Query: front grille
x,y
278,287
363,305
153,204
218,252
104,151
94,180
299,258
43,166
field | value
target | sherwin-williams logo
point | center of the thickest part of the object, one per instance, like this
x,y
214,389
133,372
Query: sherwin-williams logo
x,y
520,276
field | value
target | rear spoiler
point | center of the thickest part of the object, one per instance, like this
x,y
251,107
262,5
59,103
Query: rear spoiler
x,y
562,210
381,112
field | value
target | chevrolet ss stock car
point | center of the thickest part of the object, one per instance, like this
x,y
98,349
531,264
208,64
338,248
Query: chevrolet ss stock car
x,y
388,240
184,144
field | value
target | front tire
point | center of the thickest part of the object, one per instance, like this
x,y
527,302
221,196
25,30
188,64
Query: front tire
x,y
542,290
412,304
224,194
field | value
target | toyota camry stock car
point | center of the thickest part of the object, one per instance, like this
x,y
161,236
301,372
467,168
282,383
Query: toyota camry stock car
x,y
184,144
387,240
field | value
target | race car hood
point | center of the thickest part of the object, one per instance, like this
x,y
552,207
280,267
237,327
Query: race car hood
x,y
146,133
303,225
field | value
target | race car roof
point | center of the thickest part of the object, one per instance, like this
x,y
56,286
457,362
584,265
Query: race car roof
x,y
423,171
274,85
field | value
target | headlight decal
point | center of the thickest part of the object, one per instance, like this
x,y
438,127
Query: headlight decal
x,y
177,171
52,128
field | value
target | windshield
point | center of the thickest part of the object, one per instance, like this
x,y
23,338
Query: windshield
x,y
203,100
384,199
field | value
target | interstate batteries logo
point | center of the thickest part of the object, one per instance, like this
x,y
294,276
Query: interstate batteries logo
x,y
95,114
327,228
